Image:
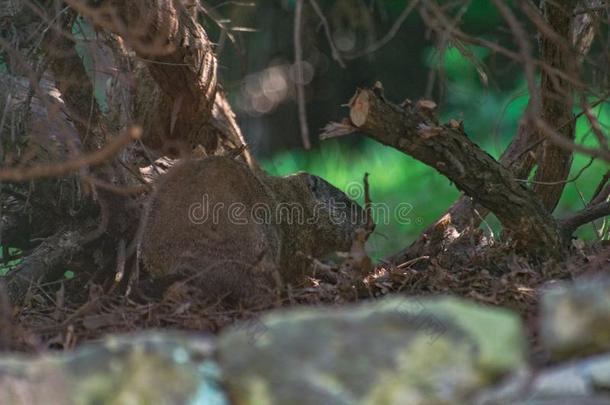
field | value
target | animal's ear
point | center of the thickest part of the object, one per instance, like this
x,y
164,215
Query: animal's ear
x,y
314,183
308,180
318,186
322,189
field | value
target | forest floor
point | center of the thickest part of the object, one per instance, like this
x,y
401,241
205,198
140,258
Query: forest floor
x,y
64,314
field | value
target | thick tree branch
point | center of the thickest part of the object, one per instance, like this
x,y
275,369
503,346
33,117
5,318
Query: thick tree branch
x,y
589,214
465,216
49,170
447,148
188,110
177,49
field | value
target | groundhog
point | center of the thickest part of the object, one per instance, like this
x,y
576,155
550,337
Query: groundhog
x,y
234,231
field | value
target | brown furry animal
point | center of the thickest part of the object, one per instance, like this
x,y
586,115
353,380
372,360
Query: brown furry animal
x,y
234,230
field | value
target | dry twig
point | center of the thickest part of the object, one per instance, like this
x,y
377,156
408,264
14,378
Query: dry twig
x,y
60,169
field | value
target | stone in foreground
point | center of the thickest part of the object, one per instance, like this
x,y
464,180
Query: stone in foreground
x,y
585,381
151,368
576,318
393,351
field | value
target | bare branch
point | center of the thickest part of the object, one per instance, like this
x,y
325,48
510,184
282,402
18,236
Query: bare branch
x,y
334,51
602,191
589,214
525,50
60,169
448,149
299,80
389,35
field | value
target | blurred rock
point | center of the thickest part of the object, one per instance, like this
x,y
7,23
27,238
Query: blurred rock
x,y
566,401
580,382
575,318
393,351
152,368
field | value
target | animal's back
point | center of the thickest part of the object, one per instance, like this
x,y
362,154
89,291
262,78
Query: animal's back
x,y
200,222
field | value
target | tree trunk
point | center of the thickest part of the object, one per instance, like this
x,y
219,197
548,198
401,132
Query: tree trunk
x,y
555,162
520,157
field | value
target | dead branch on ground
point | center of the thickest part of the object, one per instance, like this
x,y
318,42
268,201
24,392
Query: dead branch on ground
x,y
415,131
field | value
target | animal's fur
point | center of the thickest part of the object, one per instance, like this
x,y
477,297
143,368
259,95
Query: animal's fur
x,y
233,229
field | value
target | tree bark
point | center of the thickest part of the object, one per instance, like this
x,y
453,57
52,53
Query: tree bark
x,y
446,148
520,156
557,102
72,81
464,216
183,108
